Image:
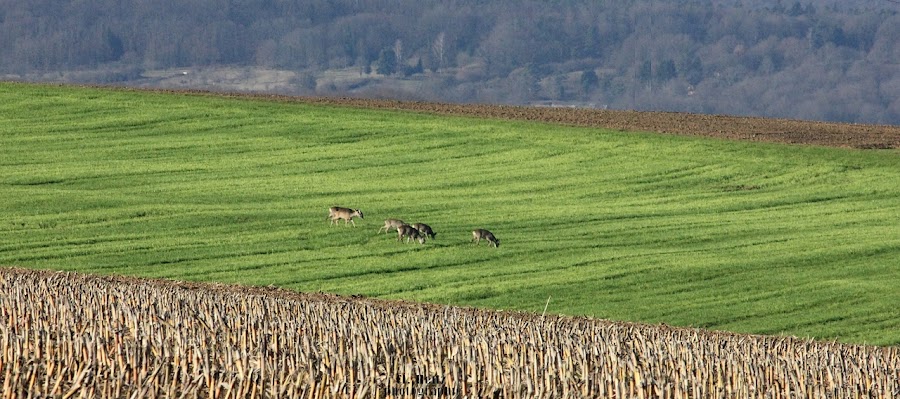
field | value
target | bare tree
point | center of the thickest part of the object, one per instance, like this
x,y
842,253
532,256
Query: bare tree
x,y
437,48
398,51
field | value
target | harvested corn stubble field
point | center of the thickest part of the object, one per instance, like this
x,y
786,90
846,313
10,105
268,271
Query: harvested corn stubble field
x,y
78,335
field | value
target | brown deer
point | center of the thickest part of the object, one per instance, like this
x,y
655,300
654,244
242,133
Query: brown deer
x,y
410,233
336,213
391,224
479,234
424,229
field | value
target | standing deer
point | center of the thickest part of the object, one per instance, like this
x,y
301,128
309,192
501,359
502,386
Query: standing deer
x,y
424,229
336,213
391,224
478,234
410,233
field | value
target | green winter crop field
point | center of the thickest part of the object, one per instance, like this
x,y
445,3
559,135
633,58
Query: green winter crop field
x,y
746,237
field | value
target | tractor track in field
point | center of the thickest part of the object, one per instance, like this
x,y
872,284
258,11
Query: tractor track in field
x,y
788,131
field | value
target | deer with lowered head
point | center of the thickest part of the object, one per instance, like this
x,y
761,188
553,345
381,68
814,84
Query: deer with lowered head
x,y
336,213
410,233
424,229
479,234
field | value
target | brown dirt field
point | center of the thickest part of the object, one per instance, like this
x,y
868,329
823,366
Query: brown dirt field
x,y
787,131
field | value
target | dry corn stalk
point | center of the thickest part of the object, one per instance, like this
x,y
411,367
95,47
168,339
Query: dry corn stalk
x,y
74,335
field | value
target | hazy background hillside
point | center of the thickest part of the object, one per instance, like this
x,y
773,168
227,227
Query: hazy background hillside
x,y
822,60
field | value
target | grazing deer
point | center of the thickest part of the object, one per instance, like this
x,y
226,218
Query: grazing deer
x,y
391,224
478,234
424,229
336,213
410,233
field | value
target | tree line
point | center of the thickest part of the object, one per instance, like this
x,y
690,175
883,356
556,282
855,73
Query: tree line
x,y
821,60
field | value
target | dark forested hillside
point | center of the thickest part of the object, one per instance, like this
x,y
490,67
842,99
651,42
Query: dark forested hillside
x,y
822,60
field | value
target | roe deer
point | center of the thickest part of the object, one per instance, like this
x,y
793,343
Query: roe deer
x,y
424,229
410,233
391,224
478,234
336,213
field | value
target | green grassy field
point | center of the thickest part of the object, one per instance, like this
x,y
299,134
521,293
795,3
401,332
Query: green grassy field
x,y
746,237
